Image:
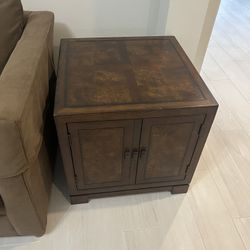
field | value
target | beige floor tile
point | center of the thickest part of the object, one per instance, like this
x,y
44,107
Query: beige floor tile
x,y
214,221
177,228
243,226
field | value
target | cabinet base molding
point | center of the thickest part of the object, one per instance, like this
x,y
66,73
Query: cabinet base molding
x,y
76,199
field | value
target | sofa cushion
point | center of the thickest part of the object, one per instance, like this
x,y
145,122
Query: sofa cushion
x,y
11,27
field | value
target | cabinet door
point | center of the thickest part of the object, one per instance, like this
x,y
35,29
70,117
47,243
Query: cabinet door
x,y
166,148
101,153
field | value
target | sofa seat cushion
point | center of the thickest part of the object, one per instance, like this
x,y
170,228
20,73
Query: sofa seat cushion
x,y
11,27
2,209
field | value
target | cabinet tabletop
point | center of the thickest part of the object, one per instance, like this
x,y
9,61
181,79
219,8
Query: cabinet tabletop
x,y
122,74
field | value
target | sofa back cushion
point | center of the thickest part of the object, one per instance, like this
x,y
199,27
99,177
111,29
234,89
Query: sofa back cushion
x,y
11,28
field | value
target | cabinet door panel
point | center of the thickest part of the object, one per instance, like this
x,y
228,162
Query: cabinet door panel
x,y
167,146
101,153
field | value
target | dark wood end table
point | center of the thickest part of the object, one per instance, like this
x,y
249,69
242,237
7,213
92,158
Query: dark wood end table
x,y
132,116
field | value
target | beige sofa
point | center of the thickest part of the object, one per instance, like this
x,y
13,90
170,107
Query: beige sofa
x,y
25,168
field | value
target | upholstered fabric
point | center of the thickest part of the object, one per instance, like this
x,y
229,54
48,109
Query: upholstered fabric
x,y
25,171
23,93
11,27
26,196
6,229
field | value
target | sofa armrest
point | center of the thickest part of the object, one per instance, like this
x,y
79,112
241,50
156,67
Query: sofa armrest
x,y
26,16
23,93
26,197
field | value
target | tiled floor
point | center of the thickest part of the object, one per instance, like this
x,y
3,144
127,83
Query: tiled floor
x,y
215,214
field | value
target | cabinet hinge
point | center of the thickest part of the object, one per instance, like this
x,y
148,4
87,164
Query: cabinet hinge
x,y
199,131
70,140
201,126
76,180
187,169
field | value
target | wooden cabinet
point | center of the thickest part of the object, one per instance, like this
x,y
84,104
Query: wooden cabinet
x,y
132,116
131,153
117,153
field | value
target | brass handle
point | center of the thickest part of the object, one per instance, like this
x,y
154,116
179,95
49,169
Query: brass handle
x,y
143,152
126,154
135,153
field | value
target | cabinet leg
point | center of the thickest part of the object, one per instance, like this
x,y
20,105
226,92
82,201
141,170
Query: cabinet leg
x,y
79,199
179,189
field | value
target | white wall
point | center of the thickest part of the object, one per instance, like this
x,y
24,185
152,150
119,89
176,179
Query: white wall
x,y
91,18
192,22
88,18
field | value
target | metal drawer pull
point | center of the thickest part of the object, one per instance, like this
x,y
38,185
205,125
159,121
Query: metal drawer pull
x,y
126,154
142,152
135,153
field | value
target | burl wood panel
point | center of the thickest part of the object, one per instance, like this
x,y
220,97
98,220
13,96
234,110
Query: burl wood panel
x,y
168,144
101,153
99,146
126,72
99,73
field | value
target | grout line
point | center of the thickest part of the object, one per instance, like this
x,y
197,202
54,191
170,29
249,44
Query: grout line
x,y
240,235
189,198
